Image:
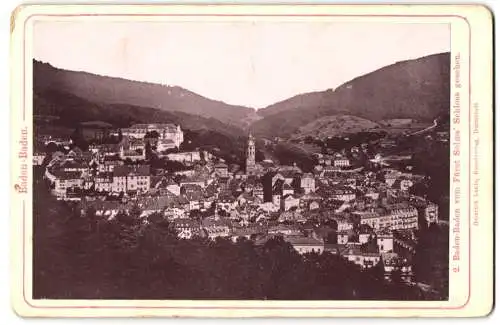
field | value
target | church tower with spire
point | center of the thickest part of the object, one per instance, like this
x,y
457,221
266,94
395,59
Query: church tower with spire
x,y
250,162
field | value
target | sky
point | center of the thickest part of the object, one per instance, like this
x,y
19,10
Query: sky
x,y
252,64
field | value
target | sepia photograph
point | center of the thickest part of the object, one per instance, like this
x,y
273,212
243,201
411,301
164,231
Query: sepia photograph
x,y
249,160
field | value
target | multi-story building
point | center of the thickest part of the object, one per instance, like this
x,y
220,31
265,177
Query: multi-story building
x,y
221,170
138,178
307,183
385,241
373,219
392,262
38,158
163,130
428,211
403,216
290,201
120,179
340,160
186,228
165,144
64,180
304,245
131,179
364,258
343,194
109,163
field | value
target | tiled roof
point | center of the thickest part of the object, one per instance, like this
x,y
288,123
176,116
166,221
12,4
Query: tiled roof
x,y
60,174
185,223
157,203
139,170
297,240
194,196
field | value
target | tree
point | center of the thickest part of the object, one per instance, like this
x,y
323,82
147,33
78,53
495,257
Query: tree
x,y
78,139
195,214
149,151
135,212
51,148
152,134
396,276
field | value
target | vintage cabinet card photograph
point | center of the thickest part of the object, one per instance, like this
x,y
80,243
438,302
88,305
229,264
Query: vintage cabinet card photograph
x,y
252,161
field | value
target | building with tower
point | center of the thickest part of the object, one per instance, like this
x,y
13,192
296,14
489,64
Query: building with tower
x,y
250,162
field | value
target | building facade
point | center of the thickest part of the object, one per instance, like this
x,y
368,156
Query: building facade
x,y
164,130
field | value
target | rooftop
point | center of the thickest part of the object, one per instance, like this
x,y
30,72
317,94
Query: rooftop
x,y
303,241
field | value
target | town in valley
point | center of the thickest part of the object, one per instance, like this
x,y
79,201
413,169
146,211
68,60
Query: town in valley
x,y
242,160
352,203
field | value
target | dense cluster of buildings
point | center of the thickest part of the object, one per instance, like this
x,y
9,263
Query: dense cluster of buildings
x,y
368,217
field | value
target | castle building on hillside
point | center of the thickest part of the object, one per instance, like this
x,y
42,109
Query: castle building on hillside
x,y
166,131
250,161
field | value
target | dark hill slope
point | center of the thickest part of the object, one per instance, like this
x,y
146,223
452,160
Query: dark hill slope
x,y
416,89
108,90
72,110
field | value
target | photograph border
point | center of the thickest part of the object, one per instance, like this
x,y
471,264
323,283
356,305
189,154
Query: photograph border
x,y
16,19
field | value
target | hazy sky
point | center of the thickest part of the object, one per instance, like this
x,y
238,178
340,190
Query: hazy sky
x,y
243,63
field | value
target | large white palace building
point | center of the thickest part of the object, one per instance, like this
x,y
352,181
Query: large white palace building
x,y
165,131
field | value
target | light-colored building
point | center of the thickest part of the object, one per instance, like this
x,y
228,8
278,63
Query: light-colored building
x,y
345,194
427,210
290,201
287,190
133,155
165,144
393,262
250,156
374,219
258,191
340,160
174,187
215,228
343,237
431,213
364,259
304,245
164,130
190,156
308,183
139,179
109,163
277,200
406,184
66,180
344,223
385,242
221,170
186,228
364,237
38,158
103,182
